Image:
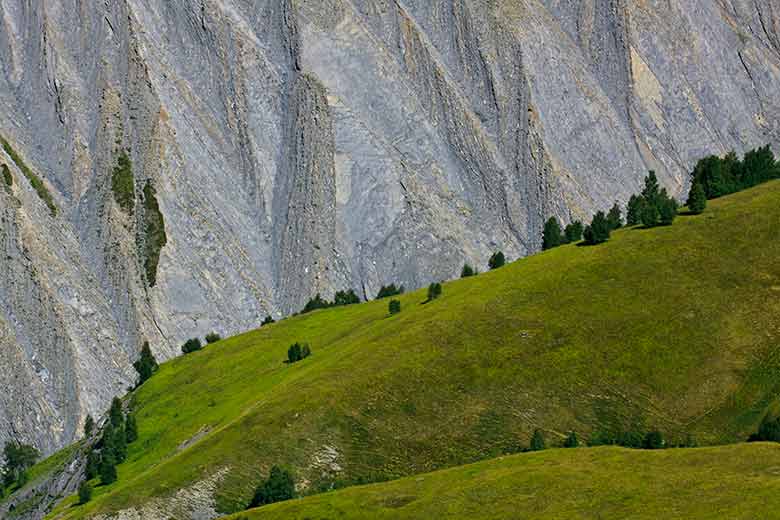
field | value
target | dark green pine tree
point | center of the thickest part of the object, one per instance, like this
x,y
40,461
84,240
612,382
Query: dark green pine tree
x,y
267,321
571,440
394,307
146,364
667,209
89,426
467,271
615,217
634,210
598,231
697,199
131,429
497,260
573,232
115,413
107,469
85,492
651,189
434,291
650,214
654,440
551,236
537,441
294,353
93,465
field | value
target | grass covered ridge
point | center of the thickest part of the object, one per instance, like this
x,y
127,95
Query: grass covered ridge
x,y
673,328
736,482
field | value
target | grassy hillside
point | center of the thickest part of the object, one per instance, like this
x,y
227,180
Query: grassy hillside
x,y
737,481
673,328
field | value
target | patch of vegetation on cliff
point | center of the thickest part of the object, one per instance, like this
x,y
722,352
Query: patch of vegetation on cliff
x,y
7,177
123,183
154,237
36,182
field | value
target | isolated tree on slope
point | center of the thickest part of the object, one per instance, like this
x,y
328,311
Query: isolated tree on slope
x,y
551,237
697,199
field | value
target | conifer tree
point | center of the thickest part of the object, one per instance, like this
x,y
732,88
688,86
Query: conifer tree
x,y
279,486
467,271
85,492
537,441
573,232
131,429
634,210
89,426
615,218
497,260
697,199
146,364
571,440
394,307
551,236
107,469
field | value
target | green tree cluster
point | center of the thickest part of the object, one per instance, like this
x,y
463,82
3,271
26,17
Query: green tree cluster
x,y
768,430
537,441
191,345
653,207
598,231
553,236
720,176
389,290
212,337
298,352
347,297
18,458
279,486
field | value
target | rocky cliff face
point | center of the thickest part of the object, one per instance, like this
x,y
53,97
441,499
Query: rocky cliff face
x,y
279,148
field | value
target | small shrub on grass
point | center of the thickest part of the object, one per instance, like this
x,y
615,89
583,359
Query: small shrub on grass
x,y
279,486
497,260
191,345
434,291
267,321
298,352
212,337
394,307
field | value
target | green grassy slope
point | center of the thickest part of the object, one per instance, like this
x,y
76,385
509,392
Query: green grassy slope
x,y
737,481
673,328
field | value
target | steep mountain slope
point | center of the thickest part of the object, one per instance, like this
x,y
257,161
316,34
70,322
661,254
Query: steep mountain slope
x,y
737,482
675,328
283,147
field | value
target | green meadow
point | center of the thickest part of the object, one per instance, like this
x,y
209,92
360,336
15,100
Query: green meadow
x,y
673,329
